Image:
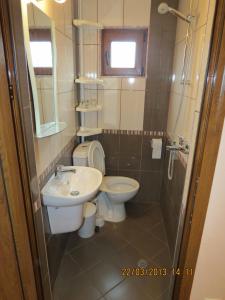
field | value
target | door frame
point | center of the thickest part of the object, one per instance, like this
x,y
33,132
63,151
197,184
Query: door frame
x,y
208,141
13,158
18,279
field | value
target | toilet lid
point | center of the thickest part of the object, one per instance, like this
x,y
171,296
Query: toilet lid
x,y
96,157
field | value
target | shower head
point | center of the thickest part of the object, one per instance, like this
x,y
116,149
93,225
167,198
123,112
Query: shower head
x,y
164,8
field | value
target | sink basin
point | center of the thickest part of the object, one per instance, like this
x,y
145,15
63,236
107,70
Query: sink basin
x,y
71,189
65,194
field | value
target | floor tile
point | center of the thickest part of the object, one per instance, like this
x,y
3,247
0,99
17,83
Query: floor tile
x,y
153,286
110,242
88,255
105,276
78,288
148,221
75,241
163,259
159,232
128,229
164,296
147,244
69,268
127,291
137,210
128,257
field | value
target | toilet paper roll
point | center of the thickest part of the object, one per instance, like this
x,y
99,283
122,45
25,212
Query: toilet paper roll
x,y
156,148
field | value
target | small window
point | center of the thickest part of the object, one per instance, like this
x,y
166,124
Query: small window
x,y
124,52
41,51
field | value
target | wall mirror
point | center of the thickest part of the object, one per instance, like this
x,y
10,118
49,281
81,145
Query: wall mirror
x,y
39,33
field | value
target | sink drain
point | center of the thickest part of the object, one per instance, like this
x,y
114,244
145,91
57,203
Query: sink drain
x,y
74,193
142,263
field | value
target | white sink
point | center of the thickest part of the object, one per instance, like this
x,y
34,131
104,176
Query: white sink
x,y
70,188
65,194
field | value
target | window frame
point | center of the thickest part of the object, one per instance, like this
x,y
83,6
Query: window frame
x,y
124,35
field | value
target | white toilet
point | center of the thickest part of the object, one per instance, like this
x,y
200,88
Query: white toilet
x,y
115,190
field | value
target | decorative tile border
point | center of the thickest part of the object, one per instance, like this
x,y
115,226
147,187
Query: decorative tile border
x,y
51,167
135,132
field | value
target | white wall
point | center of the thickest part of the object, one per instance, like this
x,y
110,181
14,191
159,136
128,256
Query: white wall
x,y
190,95
209,278
122,99
204,11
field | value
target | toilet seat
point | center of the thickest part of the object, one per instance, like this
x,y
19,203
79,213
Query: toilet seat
x,y
118,184
96,156
115,186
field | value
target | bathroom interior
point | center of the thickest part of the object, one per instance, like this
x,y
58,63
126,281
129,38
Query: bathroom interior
x,y
116,95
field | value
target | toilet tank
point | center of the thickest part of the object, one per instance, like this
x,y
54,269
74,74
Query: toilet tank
x,y
80,155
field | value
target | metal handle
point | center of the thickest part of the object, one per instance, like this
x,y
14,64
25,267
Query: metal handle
x,y
107,57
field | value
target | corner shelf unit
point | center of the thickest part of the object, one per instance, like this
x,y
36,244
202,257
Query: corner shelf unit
x,y
89,108
87,23
85,131
87,80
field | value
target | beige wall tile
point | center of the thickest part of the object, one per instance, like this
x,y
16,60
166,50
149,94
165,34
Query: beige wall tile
x,y
132,110
185,117
68,13
91,119
48,106
67,114
46,82
90,94
134,83
90,60
111,83
65,63
205,54
191,156
110,12
89,10
30,14
89,36
202,12
137,13
194,72
58,16
40,18
174,103
187,7
178,66
185,123
38,81
40,106
184,7
109,118
46,6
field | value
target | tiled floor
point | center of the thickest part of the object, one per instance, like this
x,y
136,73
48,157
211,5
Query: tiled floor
x,y
91,268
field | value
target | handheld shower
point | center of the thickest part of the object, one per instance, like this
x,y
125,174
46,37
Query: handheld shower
x,y
164,8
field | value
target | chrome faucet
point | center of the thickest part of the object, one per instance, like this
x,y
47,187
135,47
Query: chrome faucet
x,y
63,169
181,146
